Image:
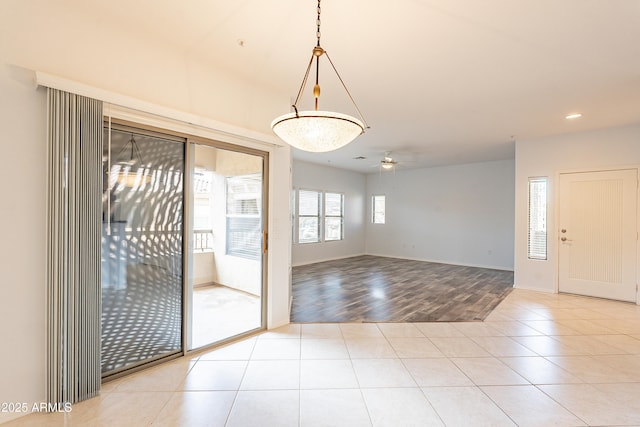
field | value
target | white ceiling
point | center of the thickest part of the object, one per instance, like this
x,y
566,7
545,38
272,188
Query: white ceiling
x,y
439,81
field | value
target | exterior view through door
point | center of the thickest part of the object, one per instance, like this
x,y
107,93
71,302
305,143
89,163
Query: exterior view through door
x,y
226,262
598,234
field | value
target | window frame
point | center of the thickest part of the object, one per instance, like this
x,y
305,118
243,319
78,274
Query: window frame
x,y
537,206
299,215
321,217
326,215
232,219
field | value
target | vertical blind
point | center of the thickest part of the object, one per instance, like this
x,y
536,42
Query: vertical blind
x,y
537,236
74,209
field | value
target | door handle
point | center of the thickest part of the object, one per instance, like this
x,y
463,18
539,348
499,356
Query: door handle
x,y
265,243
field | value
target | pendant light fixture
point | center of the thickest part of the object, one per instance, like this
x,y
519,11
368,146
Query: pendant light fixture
x,y
316,130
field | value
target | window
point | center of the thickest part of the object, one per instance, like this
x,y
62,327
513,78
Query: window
x,y
308,216
377,209
333,216
244,228
318,211
537,238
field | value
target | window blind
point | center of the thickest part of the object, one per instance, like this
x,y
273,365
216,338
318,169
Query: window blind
x,y
244,221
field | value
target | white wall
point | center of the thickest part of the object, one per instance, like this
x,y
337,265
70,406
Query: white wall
x,y
310,176
22,221
279,262
204,269
459,214
549,156
44,36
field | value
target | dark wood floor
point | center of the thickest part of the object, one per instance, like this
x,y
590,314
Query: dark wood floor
x,y
377,289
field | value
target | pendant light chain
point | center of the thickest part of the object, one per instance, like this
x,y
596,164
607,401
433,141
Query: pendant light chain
x,y
317,53
318,23
318,131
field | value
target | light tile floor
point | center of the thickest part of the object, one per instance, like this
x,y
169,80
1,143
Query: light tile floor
x,y
537,360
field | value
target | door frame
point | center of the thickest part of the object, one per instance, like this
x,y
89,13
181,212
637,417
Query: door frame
x,y
192,140
165,129
127,125
556,231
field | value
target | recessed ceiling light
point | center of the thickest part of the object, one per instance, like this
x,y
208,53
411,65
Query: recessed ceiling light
x,y
573,116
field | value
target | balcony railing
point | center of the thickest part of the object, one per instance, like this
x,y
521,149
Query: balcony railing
x,y
202,240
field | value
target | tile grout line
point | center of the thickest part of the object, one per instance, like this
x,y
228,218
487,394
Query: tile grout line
x,y
237,392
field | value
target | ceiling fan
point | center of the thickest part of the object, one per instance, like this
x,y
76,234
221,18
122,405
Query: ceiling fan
x,y
387,161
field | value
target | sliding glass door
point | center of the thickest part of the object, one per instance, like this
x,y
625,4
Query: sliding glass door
x,y
226,252
170,204
142,248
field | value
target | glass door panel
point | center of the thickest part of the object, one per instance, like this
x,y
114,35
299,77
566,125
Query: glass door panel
x,y
142,278
225,280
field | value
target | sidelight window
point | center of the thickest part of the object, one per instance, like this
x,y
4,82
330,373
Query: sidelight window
x,y
537,229
378,209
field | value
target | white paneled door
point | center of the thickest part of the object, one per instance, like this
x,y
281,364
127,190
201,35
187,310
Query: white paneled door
x,y
598,234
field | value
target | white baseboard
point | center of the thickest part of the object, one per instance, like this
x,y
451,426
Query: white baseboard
x,y
315,261
492,267
276,323
531,288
